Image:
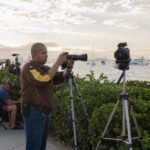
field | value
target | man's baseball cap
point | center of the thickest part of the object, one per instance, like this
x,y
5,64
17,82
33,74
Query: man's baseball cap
x,y
7,81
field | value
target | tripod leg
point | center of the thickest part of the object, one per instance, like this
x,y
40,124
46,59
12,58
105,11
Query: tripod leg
x,y
137,128
73,115
4,126
59,98
107,125
79,95
61,92
123,122
128,123
83,106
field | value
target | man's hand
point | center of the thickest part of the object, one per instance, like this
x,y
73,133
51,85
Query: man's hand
x,y
19,101
61,58
11,102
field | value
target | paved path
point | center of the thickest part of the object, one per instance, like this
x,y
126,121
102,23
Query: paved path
x,y
15,140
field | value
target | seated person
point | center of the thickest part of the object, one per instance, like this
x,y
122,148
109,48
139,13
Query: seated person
x,y
8,105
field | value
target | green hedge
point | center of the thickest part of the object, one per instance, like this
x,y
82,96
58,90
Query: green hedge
x,y
99,96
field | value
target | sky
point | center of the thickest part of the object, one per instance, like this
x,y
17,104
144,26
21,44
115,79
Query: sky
x,y
74,25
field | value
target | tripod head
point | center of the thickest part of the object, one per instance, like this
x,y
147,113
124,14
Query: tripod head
x,y
69,72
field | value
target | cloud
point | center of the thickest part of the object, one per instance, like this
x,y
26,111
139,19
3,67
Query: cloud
x,y
73,22
114,7
74,50
69,32
15,48
124,7
26,47
30,29
46,11
68,17
51,44
133,7
24,51
4,48
92,5
121,23
67,12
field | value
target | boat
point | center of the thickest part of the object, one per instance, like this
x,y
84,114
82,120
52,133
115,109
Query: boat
x,y
141,61
93,64
115,65
103,62
88,63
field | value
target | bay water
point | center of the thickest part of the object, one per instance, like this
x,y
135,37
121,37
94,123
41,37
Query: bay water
x,y
135,72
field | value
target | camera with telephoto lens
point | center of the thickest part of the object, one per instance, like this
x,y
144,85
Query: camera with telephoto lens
x,y
82,57
122,55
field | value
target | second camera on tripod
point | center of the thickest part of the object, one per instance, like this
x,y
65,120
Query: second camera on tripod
x,y
122,55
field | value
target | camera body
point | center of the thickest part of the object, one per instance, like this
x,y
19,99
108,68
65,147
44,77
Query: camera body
x,y
122,55
82,57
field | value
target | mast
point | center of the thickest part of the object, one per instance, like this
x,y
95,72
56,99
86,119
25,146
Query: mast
x,y
93,63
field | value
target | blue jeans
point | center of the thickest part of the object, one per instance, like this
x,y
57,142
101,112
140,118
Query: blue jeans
x,y
36,130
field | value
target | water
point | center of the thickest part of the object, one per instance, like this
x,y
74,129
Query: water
x,y
141,73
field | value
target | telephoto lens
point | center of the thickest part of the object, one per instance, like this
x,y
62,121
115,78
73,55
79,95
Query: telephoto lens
x,y
82,57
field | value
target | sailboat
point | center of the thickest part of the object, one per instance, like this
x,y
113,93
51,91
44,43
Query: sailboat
x,y
103,62
141,61
93,63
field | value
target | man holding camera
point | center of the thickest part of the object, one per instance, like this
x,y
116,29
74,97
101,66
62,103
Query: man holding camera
x,y
37,94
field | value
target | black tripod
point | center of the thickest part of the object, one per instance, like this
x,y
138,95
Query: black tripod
x,y
70,78
16,69
126,121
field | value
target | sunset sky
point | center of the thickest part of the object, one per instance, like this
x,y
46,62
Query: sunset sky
x,y
73,25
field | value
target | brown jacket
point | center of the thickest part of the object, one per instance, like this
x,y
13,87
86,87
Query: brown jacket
x,y
37,87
